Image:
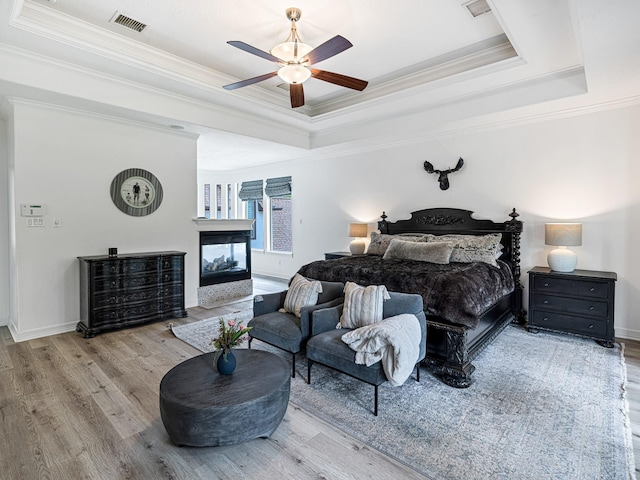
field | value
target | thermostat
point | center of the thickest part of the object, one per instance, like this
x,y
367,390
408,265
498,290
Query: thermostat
x,y
32,210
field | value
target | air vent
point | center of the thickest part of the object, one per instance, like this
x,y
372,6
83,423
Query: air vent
x,y
128,22
477,7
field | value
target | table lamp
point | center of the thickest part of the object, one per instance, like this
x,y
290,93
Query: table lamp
x,y
562,235
358,231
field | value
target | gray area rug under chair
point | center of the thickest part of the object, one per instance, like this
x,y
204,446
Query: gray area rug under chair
x,y
543,406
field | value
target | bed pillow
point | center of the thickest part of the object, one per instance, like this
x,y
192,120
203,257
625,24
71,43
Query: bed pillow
x,y
380,242
362,305
432,252
471,248
301,293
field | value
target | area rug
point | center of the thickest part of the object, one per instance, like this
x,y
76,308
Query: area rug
x,y
542,406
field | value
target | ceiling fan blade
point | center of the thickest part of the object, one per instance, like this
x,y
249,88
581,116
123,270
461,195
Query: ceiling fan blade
x,y
296,92
328,49
256,51
342,80
249,81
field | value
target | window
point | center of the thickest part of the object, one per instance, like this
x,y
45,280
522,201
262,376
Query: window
x,y
252,197
218,201
280,219
207,200
272,214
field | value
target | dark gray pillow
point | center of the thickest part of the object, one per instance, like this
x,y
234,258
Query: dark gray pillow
x,y
433,252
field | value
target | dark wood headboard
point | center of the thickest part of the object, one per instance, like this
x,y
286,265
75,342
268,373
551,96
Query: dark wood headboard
x,y
440,221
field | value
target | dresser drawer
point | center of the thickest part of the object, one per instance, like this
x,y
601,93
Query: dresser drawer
x,y
123,282
568,323
129,266
130,296
569,286
592,308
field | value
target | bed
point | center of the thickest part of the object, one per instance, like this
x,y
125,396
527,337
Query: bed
x,y
467,303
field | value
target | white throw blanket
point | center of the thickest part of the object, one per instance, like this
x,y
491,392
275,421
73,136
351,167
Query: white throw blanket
x,y
395,341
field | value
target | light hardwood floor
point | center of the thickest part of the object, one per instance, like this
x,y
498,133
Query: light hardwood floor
x,y
75,408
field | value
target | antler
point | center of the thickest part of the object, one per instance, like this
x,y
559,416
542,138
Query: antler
x,y
429,168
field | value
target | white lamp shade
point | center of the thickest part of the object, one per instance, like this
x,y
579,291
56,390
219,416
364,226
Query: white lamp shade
x,y
287,51
294,74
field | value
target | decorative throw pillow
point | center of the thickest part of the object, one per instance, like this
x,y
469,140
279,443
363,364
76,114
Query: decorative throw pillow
x,y
471,248
380,241
301,293
433,252
362,305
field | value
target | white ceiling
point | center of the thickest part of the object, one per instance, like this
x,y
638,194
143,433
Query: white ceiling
x,y
427,62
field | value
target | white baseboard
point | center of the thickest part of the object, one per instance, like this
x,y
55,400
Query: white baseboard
x,y
627,333
40,332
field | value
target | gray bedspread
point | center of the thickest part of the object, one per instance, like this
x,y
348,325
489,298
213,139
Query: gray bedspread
x,y
457,292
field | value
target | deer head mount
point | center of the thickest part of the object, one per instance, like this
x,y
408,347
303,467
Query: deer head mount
x,y
443,178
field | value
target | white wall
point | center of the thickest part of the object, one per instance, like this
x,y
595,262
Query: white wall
x,y
581,168
4,226
66,160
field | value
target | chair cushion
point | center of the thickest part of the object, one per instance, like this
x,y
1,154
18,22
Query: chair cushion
x,y
362,305
301,293
279,329
328,349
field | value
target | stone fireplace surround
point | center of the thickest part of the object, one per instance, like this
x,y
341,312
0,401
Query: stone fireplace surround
x,y
211,296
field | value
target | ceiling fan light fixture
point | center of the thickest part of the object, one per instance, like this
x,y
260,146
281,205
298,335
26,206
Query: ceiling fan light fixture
x,y
291,51
294,74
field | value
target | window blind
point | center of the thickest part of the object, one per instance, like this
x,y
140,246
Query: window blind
x,y
278,187
251,190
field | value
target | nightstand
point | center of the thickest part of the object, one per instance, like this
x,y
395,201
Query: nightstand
x,y
334,255
579,303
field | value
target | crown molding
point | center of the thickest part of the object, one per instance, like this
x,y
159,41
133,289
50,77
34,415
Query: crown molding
x,y
48,23
469,62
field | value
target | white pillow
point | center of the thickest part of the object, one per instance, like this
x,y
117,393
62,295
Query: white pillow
x,y
362,305
301,293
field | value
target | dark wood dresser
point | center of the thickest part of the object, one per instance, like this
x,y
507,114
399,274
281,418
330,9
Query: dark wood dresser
x,y
580,303
130,289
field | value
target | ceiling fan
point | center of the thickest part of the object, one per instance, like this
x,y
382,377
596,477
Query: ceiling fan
x,y
295,59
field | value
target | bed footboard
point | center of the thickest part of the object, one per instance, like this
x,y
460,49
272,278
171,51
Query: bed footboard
x,y
452,348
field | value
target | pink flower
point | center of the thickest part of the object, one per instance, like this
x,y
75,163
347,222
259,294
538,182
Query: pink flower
x,y
232,323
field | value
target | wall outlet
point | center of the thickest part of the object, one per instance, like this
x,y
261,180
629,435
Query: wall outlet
x,y
35,222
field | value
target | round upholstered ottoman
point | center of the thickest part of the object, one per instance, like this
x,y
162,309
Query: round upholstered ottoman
x,y
199,407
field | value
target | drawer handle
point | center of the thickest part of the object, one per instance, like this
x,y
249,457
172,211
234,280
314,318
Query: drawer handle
x,y
592,289
591,326
545,319
591,307
546,302
546,284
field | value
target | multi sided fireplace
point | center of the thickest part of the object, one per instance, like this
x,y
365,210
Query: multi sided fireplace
x,y
225,256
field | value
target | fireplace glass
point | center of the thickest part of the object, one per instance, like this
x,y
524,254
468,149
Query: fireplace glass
x,y
224,257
